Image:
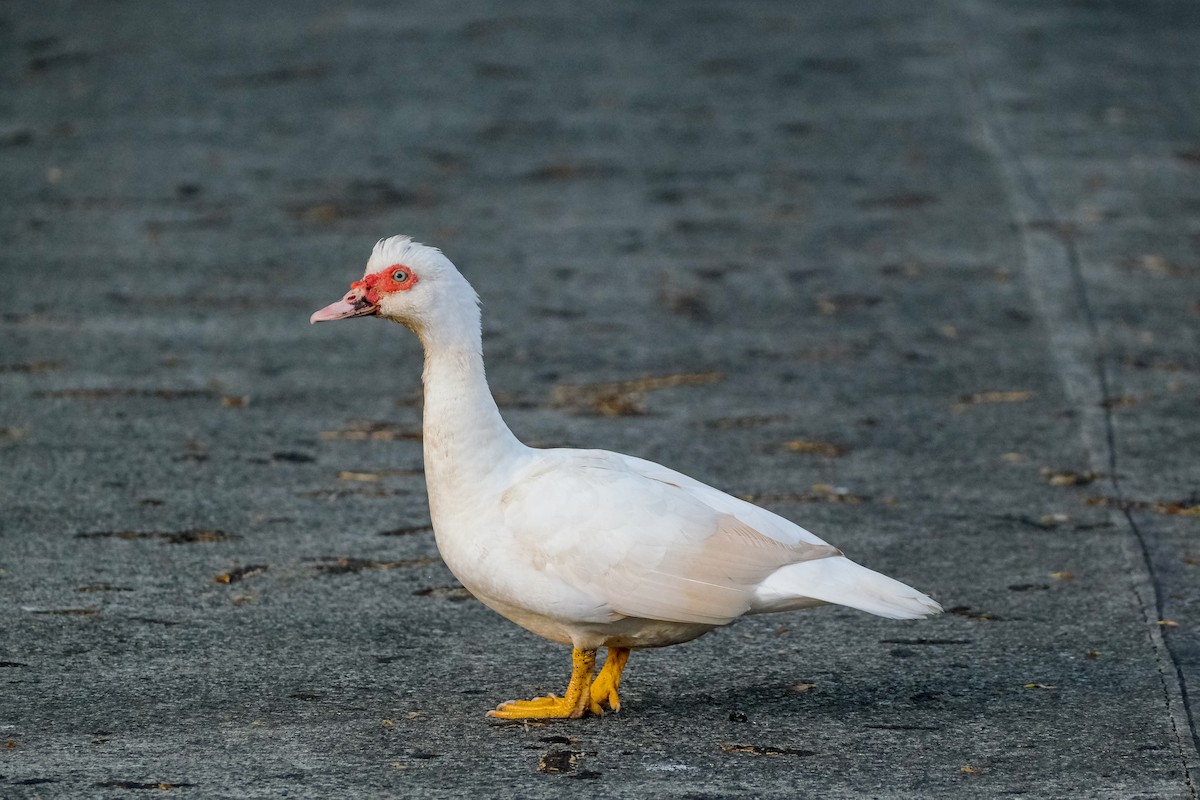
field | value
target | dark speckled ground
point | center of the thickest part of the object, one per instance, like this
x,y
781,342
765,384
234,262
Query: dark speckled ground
x,y
955,245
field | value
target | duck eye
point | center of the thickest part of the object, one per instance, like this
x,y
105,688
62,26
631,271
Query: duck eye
x,y
400,275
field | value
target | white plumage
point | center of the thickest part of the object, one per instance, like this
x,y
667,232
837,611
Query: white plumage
x,y
587,547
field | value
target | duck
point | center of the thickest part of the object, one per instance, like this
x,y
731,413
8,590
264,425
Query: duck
x,y
587,548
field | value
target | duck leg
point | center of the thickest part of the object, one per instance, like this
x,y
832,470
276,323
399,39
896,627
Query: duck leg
x,y
570,706
604,688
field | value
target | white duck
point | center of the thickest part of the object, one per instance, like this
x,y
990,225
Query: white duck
x,y
586,547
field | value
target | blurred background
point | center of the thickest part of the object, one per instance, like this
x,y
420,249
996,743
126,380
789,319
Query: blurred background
x,y
923,277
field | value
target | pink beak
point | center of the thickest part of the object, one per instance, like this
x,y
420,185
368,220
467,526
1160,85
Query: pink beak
x,y
354,304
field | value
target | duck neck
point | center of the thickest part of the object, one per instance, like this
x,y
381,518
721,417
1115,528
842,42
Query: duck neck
x,y
465,437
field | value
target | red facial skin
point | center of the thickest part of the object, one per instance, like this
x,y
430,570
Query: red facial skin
x,y
377,284
364,296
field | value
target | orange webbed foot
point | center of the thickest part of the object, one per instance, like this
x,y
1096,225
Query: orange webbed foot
x,y
603,691
571,705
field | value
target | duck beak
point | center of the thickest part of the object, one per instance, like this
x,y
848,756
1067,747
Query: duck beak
x,y
354,304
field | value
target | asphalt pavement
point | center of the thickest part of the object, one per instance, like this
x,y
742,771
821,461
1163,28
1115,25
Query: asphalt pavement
x,y
923,277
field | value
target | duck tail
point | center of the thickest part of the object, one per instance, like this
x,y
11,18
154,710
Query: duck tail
x,y
840,581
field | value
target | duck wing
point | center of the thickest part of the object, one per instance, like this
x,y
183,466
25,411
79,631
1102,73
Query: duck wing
x,y
645,541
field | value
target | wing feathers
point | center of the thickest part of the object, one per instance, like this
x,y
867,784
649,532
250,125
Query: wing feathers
x,y
643,546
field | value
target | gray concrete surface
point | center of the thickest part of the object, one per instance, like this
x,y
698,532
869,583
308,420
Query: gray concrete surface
x,y
956,243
